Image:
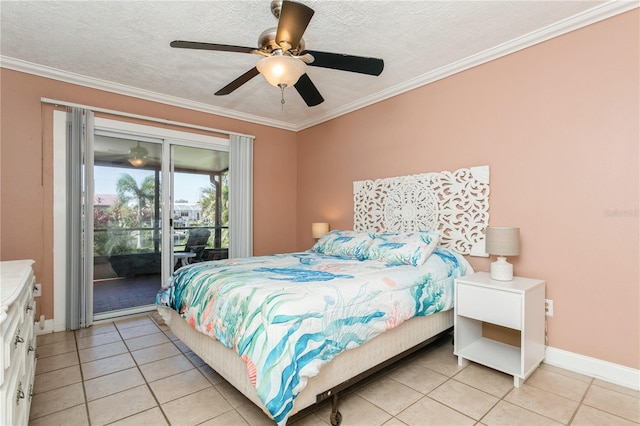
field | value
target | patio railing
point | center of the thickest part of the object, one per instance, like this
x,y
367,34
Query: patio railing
x,y
137,251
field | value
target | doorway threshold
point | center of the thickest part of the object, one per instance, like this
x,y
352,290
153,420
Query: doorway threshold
x,y
109,315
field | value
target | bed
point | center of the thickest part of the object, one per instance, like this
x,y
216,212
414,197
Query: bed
x,y
291,330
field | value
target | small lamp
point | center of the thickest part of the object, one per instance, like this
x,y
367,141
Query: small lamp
x,y
319,229
502,241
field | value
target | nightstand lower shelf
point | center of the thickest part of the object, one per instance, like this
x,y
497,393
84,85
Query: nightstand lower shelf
x,y
491,353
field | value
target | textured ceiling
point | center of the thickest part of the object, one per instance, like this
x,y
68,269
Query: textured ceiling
x,y
123,46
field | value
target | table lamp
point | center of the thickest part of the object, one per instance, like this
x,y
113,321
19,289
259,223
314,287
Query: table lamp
x,y
319,229
502,241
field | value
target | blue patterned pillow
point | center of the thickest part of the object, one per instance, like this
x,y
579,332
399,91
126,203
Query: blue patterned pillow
x,y
344,244
404,248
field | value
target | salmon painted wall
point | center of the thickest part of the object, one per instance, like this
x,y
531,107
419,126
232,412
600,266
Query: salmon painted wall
x,y
558,125
26,160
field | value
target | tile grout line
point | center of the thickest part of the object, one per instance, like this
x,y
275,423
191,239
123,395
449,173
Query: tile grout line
x,y
84,389
146,383
198,369
86,403
184,354
593,383
502,398
194,366
122,339
580,404
62,368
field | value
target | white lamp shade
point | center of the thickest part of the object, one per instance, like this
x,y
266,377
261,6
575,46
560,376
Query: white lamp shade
x,y
281,69
319,229
503,241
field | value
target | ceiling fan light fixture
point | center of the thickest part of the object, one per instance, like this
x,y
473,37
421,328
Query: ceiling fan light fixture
x,y
138,156
281,70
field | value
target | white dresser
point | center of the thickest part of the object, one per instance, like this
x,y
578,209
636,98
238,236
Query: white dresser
x,y
18,354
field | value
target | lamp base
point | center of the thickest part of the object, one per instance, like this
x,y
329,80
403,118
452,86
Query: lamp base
x,y
501,270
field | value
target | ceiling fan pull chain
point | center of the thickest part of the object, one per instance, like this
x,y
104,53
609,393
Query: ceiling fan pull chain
x,y
282,86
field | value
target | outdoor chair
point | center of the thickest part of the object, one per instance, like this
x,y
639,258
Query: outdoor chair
x,y
196,243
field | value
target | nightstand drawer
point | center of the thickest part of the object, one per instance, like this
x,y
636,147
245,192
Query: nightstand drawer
x,y
490,305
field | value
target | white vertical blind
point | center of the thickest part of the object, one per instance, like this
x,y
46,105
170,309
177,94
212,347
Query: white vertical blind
x,y
79,218
240,196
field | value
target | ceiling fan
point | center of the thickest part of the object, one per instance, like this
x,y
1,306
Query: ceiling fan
x,y
113,152
285,59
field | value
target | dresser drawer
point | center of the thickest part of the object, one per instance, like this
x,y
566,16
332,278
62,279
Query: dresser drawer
x,y
490,305
17,353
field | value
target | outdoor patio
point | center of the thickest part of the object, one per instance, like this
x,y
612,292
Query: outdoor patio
x,y
135,285
123,293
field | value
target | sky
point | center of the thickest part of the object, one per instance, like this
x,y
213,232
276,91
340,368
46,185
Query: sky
x,y
186,186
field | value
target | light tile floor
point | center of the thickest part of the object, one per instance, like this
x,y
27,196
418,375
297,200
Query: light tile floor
x,y
134,372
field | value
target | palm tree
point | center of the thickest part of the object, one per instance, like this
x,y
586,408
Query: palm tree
x,y
127,189
207,203
214,213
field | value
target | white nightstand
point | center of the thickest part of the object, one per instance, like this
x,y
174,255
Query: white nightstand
x,y
517,304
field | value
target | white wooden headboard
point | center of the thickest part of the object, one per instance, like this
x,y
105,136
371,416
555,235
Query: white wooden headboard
x,y
454,203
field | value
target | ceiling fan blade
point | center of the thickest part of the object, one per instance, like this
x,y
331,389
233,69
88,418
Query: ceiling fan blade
x,y
294,18
308,91
210,46
238,82
338,61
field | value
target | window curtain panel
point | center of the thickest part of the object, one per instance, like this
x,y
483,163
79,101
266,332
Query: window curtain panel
x,y
79,153
240,196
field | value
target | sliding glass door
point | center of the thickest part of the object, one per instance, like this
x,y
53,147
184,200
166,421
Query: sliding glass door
x,y
127,230
200,213
132,253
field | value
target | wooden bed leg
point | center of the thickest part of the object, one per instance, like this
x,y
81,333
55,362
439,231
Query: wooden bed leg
x,y
335,418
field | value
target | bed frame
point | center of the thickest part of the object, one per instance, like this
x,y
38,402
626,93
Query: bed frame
x,y
454,203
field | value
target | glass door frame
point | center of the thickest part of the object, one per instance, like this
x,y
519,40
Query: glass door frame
x,y
167,138
155,229
168,193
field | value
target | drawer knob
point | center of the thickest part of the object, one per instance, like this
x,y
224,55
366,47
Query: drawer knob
x,y
30,349
18,339
19,394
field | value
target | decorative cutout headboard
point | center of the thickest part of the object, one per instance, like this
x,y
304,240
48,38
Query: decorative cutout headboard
x,y
454,203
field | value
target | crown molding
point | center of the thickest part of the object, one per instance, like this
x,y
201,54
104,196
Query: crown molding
x,y
591,16
122,89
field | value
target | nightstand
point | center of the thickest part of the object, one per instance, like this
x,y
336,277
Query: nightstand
x,y
517,304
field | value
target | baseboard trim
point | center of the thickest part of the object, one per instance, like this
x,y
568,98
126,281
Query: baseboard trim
x,y
44,328
593,367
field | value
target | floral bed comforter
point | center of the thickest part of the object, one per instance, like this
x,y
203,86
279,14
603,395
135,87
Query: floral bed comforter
x,y
288,315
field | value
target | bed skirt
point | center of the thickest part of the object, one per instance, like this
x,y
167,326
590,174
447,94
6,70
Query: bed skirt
x,y
342,368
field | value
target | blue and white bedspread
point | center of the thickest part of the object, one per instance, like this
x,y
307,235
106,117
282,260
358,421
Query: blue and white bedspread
x,y
288,315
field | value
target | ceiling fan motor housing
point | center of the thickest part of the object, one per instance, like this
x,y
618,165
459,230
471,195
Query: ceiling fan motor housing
x,y
267,42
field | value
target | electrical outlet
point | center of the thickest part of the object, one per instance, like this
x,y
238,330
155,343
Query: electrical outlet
x,y
37,291
548,307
